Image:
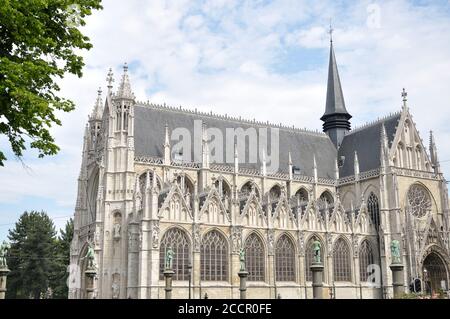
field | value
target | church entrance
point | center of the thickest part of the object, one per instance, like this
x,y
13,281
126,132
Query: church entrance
x,y
434,274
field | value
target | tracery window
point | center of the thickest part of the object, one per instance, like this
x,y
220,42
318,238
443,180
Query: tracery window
x,y
374,209
214,257
179,242
285,259
326,203
299,201
365,259
309,257
255,258
341,261
419,202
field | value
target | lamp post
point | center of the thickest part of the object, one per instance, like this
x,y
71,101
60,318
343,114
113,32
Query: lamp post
x,y
190,276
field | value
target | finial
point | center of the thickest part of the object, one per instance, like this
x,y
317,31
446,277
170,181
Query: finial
x,y
125,67
405,97
331,30
110,79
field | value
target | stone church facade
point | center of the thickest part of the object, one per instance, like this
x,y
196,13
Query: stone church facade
x,y
353,190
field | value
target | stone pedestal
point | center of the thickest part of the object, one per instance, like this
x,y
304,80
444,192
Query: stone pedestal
x,y
243,283
90,289
317,272
168,274
3,275
397,280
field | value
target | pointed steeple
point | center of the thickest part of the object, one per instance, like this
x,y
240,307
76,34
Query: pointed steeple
x,y
167,155
356,164
336,118
97,111
433,153
291,173
124,90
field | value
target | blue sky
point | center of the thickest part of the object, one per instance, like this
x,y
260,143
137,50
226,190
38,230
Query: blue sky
x,y
259,59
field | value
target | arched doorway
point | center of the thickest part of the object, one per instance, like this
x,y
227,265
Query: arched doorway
x,y
434,274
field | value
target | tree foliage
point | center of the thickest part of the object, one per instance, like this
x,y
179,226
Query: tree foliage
x,y
59,287
31,258
40,42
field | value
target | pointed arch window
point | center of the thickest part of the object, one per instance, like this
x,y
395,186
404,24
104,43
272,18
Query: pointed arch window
x,y
285,259
255,258
179,242
341,261
326,204
366,258
373,208
309,257
214,257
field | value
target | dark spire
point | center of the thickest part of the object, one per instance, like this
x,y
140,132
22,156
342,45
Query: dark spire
x,y
336,118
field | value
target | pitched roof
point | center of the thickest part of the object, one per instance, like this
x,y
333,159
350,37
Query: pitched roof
x,y
366,142
149,129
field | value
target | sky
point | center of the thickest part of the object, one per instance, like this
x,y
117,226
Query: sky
x,y
256,59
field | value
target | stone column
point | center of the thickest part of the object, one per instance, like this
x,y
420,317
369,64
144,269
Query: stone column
x,y
3,274
168,274
243,283
317,272
397,280
90,289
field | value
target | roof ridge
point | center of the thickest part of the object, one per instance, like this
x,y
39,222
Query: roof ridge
x,y
226,117
373,123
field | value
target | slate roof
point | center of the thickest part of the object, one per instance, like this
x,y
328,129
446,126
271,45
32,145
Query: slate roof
x,y
335,98
367,142
149,130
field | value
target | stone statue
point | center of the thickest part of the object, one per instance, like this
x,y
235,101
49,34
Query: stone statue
x,y
90,255
117,229
169,258
4,247
395,251
155,236
316,248
115,290
242,259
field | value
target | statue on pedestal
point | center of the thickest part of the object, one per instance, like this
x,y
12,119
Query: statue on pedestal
x,y
395,252
316,245
90,255
4,247
242,259
169,258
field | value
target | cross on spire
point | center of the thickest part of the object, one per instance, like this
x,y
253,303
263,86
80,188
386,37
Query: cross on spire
x,y
330,31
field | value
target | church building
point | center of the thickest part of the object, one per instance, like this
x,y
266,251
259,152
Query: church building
x,y
232,184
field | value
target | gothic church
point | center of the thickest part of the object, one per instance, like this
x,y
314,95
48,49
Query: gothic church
x,y
354,190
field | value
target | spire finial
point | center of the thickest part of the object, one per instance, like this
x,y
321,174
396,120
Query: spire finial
x,y
110,79
405,97
124,90
330,31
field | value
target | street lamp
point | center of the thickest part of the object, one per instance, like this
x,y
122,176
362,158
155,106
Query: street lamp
x,y
190,275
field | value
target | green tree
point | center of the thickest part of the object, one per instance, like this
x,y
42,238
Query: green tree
x,y
31,258
59,277
39,42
